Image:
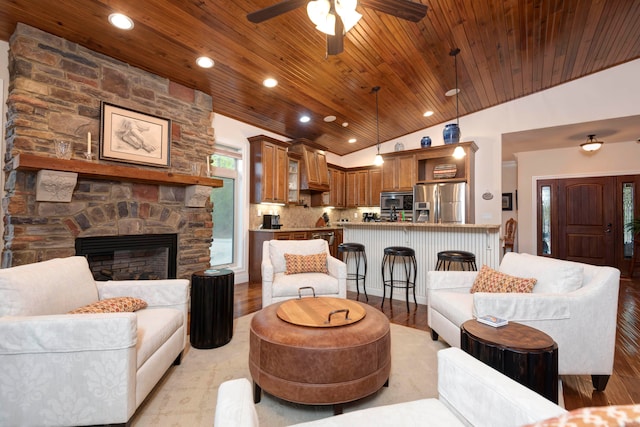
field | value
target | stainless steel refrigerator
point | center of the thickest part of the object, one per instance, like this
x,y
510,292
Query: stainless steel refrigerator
x,y
444,203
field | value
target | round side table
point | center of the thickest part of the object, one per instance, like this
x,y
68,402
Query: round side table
x,y
524,354
211,308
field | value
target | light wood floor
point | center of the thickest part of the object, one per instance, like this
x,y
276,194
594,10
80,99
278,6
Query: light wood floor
x,y
623,387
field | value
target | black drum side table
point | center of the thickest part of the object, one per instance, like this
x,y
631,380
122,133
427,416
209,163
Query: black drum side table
x,y
211,308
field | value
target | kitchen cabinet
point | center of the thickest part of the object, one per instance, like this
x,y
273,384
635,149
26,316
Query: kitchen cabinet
x,y
363,187
337,188
314,173
268,170
399,172
293,189
429,159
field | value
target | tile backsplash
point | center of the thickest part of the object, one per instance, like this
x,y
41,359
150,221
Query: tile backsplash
x,y
293,216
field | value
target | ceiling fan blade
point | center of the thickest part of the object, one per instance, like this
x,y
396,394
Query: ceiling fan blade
x,y
404,9
335,44
275,10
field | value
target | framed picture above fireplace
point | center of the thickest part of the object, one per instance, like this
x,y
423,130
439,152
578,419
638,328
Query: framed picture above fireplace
x,y
134,137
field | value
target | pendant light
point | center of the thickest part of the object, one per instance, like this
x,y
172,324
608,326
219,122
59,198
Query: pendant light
x,y
592,144
378,160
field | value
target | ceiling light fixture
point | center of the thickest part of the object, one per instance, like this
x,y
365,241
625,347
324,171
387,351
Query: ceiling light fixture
x,y
428,113
121,21
204,62
305,119
270,82
378,159
322,14
592,144
352,140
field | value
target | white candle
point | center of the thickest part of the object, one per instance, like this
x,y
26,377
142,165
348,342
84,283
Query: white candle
x,y
89,143
208,166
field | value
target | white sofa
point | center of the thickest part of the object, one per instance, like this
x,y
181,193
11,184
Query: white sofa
x,y
470,393
82,369
278,286
576,304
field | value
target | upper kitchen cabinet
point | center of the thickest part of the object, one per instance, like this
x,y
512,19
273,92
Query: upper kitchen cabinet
x,y
269,165
337,187
293,185
437,164
399,172
314,173
363,187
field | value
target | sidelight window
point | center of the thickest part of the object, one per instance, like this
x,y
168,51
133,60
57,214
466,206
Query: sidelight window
x,y
627,217
545,219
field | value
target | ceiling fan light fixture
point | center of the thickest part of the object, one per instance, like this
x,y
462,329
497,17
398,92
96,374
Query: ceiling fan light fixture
x,y
318,10
592,144
329,25
346,10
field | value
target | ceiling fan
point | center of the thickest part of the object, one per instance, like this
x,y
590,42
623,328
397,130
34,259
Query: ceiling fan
x,y
323,14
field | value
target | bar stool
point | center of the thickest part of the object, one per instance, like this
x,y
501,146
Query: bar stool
x,y
393,256
355,252
445,258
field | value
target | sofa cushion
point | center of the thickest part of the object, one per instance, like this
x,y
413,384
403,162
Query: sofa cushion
x,y
48,287
455,306
112,305
277,249
623,415
490,280
286,285
155,327
297,264
554,276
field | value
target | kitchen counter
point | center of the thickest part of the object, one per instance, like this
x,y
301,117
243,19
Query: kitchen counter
x,y
291,230
419,225
483,240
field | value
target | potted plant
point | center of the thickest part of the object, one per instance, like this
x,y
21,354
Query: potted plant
x,y
634,227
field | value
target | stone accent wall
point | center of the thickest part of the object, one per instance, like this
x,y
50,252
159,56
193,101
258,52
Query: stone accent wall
x,y
55,91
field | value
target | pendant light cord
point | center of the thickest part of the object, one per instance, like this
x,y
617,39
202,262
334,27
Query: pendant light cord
x,y
454,53
376,89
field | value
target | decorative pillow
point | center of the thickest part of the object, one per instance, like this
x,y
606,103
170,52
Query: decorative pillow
x,y
618,416
112,305
316,263
490,280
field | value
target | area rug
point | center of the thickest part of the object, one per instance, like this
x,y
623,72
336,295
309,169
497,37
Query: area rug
x,y
186,396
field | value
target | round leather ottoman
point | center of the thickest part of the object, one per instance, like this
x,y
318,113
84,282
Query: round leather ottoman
x,y
319,366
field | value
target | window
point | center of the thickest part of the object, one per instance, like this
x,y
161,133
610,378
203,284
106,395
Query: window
x,y
545,220
627,217
225,163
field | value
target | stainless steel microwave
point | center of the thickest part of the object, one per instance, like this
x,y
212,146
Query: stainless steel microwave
x,y
401,200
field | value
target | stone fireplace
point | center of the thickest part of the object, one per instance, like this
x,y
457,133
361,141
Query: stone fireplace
x,y
55,92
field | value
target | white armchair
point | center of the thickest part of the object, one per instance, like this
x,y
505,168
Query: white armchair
x,y
574,303
82,369
278,286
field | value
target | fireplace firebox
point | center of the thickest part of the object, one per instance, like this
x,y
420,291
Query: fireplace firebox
x,y
148,256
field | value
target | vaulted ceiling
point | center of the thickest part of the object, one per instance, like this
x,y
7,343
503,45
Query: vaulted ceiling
x,y
509,49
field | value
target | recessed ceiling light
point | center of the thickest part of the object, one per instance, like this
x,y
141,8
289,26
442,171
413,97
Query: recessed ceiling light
x,y
270,82
345,124
121,21
352,140
452,92
305,119
330,119
428,113
205,62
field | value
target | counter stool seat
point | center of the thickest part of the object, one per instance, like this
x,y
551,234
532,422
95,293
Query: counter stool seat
x,y
355,252
395,256
445,258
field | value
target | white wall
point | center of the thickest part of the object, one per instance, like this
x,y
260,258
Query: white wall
x,y
510,185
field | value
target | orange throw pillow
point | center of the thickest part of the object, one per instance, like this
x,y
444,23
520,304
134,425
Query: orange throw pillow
x,y
490,280
316,263
112,305
618,416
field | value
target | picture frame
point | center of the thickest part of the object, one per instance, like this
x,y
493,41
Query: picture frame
x,y
507,201
134,137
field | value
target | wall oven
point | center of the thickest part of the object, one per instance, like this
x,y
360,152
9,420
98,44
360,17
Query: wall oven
x,y
402,201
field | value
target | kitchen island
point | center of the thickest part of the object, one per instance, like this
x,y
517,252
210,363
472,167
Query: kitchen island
x,y
427,240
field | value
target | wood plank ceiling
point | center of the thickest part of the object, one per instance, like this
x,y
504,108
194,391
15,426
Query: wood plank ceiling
x,y
509,49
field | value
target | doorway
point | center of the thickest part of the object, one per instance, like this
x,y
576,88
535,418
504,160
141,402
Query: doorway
x,y
582,219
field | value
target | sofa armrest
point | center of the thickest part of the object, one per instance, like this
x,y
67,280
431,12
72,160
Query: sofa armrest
x,y
461,280
337,268
522,306
482,396
65,333
234,405
157,293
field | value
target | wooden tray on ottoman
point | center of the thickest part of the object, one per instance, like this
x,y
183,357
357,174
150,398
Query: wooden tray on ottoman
x,y
321,312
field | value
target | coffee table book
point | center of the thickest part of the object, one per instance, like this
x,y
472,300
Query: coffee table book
x,y
492,321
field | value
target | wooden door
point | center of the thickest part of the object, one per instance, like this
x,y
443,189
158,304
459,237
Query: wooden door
x,y
406,170
583,219
351,187
375,186
389,174
362,193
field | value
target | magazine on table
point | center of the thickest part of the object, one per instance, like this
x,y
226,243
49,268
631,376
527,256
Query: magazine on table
x,y
492,321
